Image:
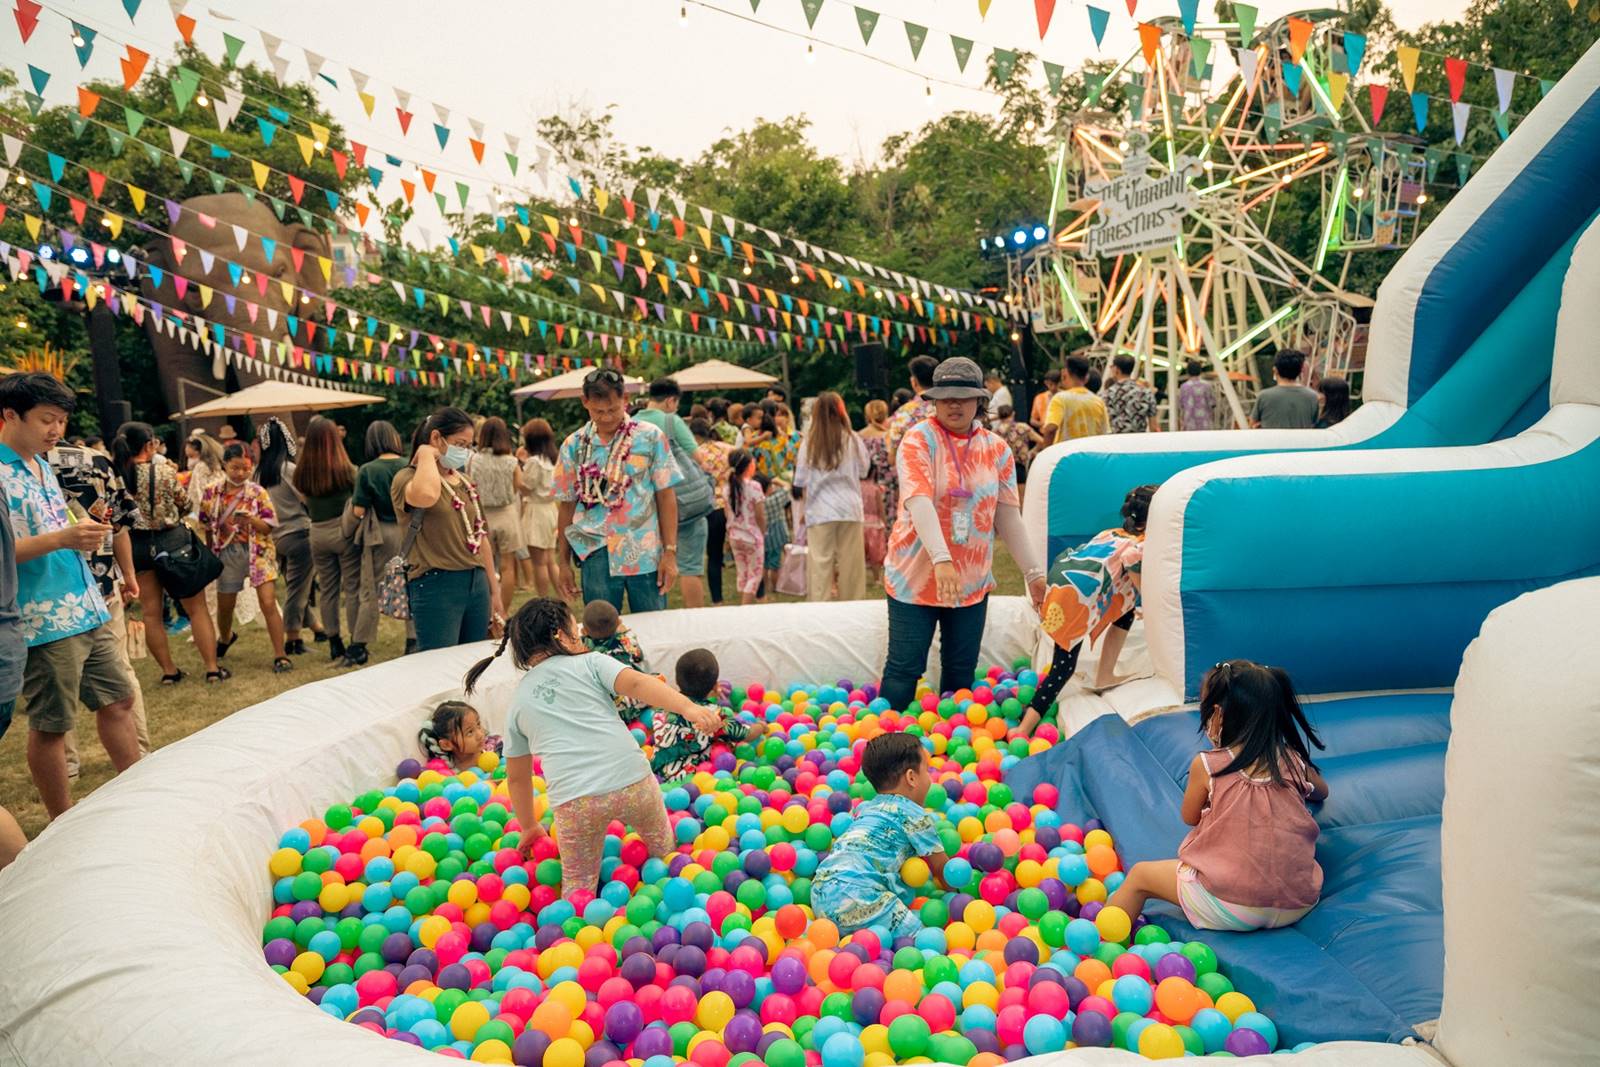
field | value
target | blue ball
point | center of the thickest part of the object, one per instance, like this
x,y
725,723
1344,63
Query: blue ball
x,y
1044,1033
957,871
431,1032
1132,993
1250,1020
977,1017
842,1050
1083,937
295,838
325,944
1073,868
1213,1028
1136,1028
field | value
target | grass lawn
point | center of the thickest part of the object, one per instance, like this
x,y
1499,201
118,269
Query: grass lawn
x,y
175,712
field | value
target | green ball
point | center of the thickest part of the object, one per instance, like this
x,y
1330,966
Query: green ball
x,y
734,922
446,1003
935,913
419,901
480,867
349,931
908,1035
724,864
818,837
624,932
648,930
448,870
752,894
371,937
1011,709
947,708
1191,1040
949,838
1214,983
495,958
706,882
1119,1029
743,1058
316,861
785,1053
1025,694
337,974
1017,747
939,969
1033,903
1000,794
464,804
436,846
385,816
573,926
802,1028
801,888
775,835
548,872
682,1034
478,846
1053,928
640,909
282,926
1151,935
951,1048
1204,960
908,958
964,754
338,817
837,1005
495,1030
1108,952
368,961
306,886
368,802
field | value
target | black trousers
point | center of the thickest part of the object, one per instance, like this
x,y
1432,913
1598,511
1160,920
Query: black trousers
x,y
716,543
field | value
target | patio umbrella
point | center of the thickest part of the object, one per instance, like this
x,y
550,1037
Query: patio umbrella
x,y
569,386
272,398
719,374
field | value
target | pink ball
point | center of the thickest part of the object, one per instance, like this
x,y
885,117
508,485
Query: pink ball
x,y
375,984
1128,963
1099,1004
710,1054
677,1004
983,695
893,1010
1008,1024
479,970
593,972
490,887
778,1008
450,948
784,856
519,1002
869,941
756,692
937,1011
1050,999
930,702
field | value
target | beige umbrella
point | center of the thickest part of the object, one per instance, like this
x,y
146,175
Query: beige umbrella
x,y
720,374
272,398
569,386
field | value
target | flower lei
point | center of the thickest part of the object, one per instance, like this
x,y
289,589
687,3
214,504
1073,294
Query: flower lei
x,y
477,529
605,486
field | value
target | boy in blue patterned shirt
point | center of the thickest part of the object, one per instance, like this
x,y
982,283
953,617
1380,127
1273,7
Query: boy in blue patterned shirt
x,y
858,884
678,747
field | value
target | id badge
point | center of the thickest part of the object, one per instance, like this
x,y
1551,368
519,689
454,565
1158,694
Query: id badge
x,y
961,524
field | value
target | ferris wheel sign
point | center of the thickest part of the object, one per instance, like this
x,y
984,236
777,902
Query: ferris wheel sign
x,y
1137,212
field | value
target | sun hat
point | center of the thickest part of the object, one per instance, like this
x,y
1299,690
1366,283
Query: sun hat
x,y
957,378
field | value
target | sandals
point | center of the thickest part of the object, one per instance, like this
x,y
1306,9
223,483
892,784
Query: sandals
x,y
222,647
282,664
221,674
297,647
174,678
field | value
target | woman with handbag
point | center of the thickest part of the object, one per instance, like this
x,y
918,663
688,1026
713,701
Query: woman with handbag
x,y
446,560
325,478
831,465
167,556
495,472
292,535
379,532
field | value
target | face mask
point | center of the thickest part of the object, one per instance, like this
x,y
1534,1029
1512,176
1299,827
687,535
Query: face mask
x,y
237,482
455,457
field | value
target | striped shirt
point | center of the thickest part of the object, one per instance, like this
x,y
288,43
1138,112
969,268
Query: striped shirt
x,y
833,495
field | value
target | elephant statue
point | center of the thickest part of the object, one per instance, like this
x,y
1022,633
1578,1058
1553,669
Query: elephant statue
x,y
206,223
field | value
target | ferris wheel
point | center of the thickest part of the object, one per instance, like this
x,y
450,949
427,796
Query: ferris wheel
x,y
1160,218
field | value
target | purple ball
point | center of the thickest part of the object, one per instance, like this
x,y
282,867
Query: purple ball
x,y
529,1048
839,801
1091,1030
957,903
711,980
766,1042
394,968
984,1040
353,910
700,935
1093,824
483,936
414,973
408,768
1021,950
1246,1042
633,945
368,1015
1047,974
548,935
624,1021
669,954
740,987
405,1037
856,950
757,864
788,975
953,789
667,935
1091,909
1047,837
866,1005
734,880
677,863
654,1040
691,960
1076,991
691,984
455,976
601,1053
743,1032
1055,892
640,970
305,909
316,993
424,957
1174,965
280,951
1013,1053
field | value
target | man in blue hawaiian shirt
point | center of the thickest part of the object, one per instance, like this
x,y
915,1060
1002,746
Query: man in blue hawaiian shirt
x,y
72,653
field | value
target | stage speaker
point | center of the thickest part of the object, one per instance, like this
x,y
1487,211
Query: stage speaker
x,y
872,368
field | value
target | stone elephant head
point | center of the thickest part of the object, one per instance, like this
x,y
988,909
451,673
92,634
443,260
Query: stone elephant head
x,y
207,224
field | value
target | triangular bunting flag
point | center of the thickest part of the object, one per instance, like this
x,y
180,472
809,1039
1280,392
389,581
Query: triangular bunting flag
x,y
1504,81
1098,18
1187,10
1337,86
1291,78
186,25
1419,110
1150,42
1052,75
184,84
1455,72
133,66
1545,85
27,14
963,50
1248,65
983,8
1199,55
1378,97
868,21
1246,16
1299,37
1408,57
40,78
82,42
1004,60
1458,113
1044,9
1502,124
131,7
232,45
811,7
1355,49
915,35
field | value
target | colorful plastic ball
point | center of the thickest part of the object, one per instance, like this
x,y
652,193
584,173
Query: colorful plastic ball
x,y
1234,1005
1091,1029
1245,1042
843,1050
1213,1028
1254,1020
1044,1033
1160,1042
1131,993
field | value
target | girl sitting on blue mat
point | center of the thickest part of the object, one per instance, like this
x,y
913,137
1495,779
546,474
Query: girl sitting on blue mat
x,y
1250,862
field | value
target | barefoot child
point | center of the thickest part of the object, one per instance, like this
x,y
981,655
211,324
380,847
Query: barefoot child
x,y
1250,862
679,746
238,518
858,884
1093,590
563,711
456,735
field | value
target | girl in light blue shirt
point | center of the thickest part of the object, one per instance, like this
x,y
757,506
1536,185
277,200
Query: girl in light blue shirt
x,y
564,710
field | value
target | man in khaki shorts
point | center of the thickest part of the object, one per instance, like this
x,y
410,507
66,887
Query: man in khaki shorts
x,y
72,654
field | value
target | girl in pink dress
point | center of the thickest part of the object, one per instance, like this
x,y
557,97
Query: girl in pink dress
x,y
1250,862
746,524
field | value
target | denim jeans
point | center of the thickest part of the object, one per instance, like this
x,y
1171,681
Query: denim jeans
x,y
594,574
449,607
911,629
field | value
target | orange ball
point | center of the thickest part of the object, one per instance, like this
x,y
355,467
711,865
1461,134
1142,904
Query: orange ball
x,y
902,985
817,967
554,1019
1091,972
1175,997
823,933
1102,859
790,922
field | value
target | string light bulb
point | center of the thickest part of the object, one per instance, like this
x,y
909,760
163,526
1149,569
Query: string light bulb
x,y
22,323
694,257
1029,126
794,279
202,99
1358,192
683,15
1422,198
572,220
1015,336
811,52
77,39
746,270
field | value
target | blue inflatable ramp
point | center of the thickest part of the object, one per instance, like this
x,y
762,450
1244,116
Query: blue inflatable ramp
x,y
1368,962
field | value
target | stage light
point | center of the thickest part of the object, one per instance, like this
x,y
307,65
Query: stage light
x,y
47,252
1019,238
1040,233
113,256
79,255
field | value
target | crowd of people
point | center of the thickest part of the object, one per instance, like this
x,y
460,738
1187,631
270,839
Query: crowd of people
x,y
442,531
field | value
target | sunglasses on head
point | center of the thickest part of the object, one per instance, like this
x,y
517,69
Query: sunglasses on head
x,y
603,374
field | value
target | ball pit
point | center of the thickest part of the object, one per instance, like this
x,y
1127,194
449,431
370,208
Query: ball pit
x,y
408,912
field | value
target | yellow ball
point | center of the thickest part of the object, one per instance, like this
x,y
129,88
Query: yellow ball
x,y
492,1051
432,929
715,838
476,915
422,865
466,1019
960,936
715,1009
1095,837
875,1038
285,863
1159,1041
582,1033
571,993
878,1059
795,819
1234,1004
488,761
1104,988
518,894
970,828
310,966
980,916
463,894
334,897
915,872
297,982
980,993
1091,890
371,825
563,1052
589,937
1029,873
1114,924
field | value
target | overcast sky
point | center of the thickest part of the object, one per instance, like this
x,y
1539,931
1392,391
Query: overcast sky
x,y
676,83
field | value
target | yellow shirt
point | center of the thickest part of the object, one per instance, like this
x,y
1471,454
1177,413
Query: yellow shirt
x,y
1079,413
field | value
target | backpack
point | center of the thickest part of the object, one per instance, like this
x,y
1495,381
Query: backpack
x,y
696,493
393,600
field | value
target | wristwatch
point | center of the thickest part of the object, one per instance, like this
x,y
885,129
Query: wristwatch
x,y
670,548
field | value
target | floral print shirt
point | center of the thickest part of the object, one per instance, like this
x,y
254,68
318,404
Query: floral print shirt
x,y
220,503
775,457
1197,405
1130,405
165,505
89,478
57,596
865,861
910,413
628,530
678,748
712,456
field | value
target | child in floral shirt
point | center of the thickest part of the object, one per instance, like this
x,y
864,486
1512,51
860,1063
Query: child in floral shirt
x,y
679,747
238,518
603,632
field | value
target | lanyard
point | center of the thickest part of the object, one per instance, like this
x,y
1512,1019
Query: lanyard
x,y
958,457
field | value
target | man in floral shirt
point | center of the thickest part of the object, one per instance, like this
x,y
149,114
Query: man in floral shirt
x,y
616,507
1130,403
72,654
914,410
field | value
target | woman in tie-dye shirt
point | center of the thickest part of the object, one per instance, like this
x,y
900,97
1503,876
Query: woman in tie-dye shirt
x,y
958,488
